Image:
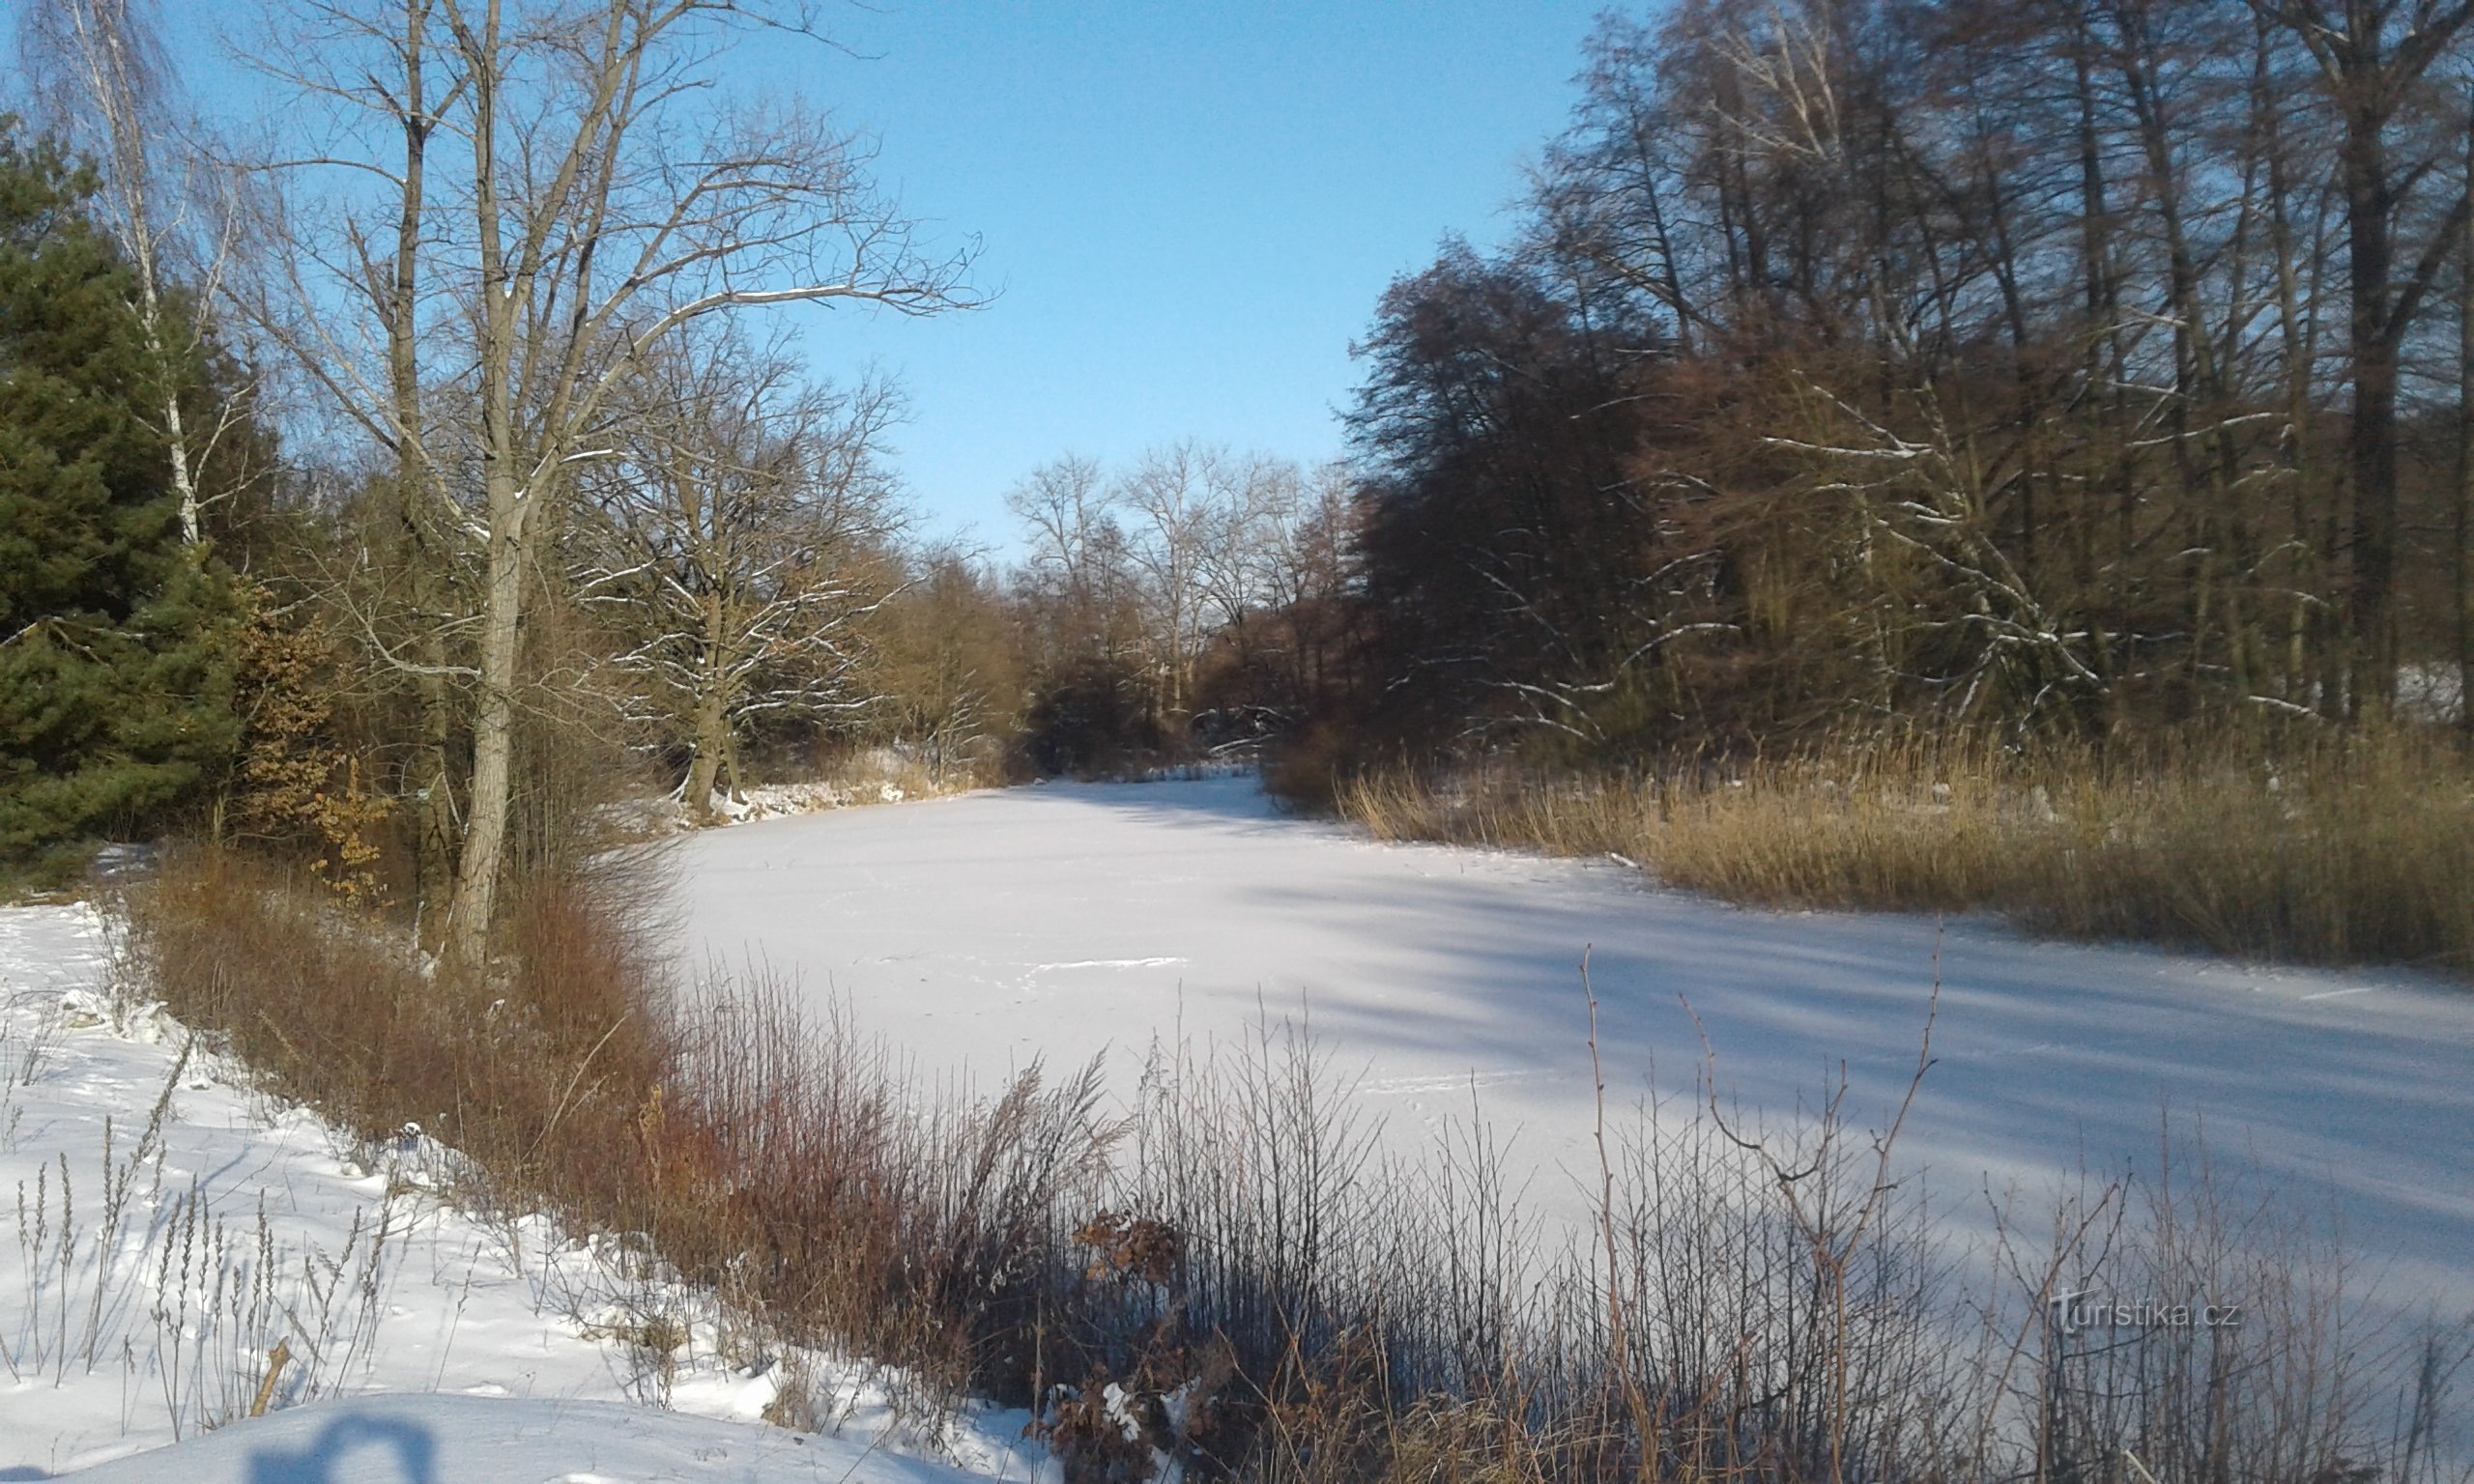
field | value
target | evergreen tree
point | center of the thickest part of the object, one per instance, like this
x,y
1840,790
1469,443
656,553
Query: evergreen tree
x,y
114,636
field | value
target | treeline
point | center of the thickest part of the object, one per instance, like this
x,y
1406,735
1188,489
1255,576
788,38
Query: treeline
x,y
2079,368
2071,365
1191,600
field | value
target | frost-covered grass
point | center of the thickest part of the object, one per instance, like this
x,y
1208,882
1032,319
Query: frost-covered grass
x,y
2357,849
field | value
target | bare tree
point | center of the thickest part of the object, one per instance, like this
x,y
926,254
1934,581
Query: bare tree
x,y
2374,56
1196,573
1271,561
345,293
603,196
1251,501
1077,567
1608,191
732,537
2461,546
1176,499
1306,563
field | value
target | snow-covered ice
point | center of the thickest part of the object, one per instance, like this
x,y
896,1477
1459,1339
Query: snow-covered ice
x,y
147,1266
1052,922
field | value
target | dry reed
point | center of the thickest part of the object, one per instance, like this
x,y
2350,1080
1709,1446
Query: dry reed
x,y
2345,849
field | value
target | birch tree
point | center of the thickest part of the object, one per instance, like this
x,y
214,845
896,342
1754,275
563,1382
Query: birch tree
x,y
1078,570
109,90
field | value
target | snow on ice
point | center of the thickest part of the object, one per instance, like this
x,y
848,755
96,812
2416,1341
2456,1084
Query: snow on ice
x,y
984,931
173,1226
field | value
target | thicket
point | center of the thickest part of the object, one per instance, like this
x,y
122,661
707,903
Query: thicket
x,y
2350,849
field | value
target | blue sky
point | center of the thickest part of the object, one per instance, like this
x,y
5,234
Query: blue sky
x,y
1186,209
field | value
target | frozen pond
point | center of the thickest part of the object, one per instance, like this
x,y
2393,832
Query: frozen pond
x,y
1056,921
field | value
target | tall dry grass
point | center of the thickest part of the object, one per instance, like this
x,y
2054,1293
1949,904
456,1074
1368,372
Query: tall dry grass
x,y
780,1161
1230,1278
2342,849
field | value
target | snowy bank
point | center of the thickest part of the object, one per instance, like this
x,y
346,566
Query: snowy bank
x,y
175,1231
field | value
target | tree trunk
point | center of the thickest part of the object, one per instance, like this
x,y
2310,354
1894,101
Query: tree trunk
x,y
2371,80
431,777
2462,559
2370,443
2297,332
704,768
112,80
499,324
493,733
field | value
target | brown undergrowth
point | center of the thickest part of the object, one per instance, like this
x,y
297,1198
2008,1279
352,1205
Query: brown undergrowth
x,y
2348,849
1232,1276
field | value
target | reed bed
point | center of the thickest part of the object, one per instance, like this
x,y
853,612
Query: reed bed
x,y
2353,850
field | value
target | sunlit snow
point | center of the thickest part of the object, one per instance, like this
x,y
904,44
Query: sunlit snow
x,y
1058,921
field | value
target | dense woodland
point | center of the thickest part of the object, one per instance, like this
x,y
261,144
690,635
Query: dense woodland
x,y
2051,365
402,495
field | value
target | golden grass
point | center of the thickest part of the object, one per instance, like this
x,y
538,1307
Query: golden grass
x,y
2354,849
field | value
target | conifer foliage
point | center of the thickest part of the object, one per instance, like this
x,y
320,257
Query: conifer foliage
x,y
114,683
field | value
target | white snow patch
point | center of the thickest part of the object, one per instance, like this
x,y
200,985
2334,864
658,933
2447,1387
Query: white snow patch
x,y
2431,692
451,1440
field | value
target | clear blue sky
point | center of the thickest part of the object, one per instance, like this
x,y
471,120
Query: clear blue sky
x,y
1187,207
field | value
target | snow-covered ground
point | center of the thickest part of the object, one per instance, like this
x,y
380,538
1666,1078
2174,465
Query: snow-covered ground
x,y
466,1439
167,1229
1052,922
